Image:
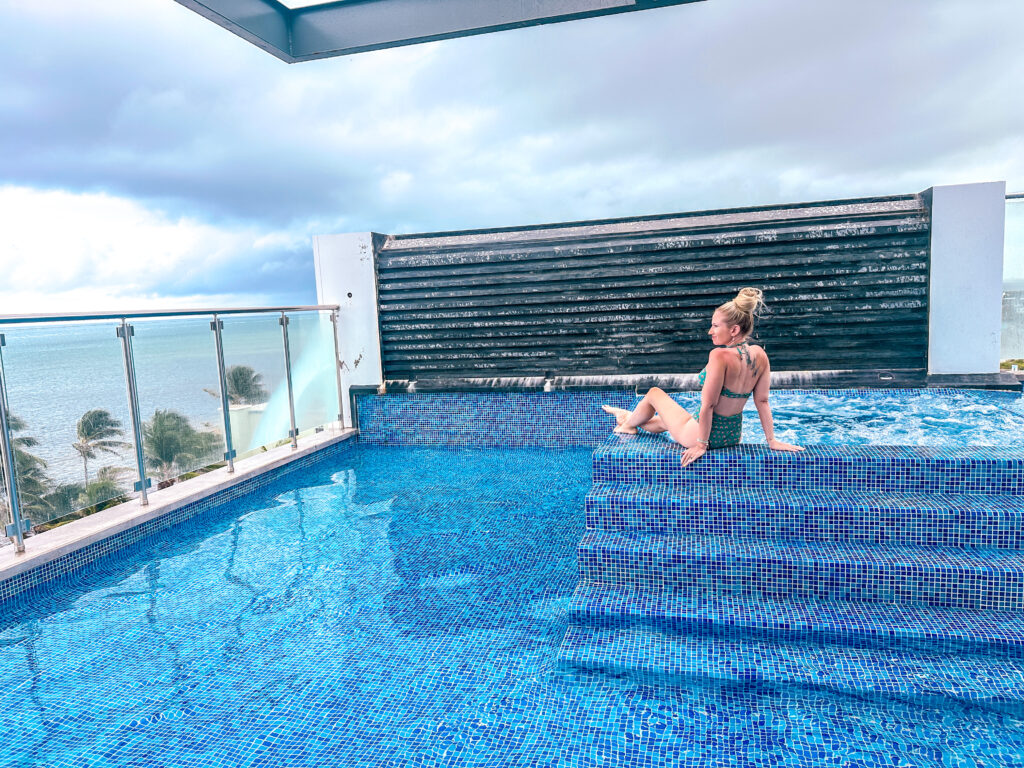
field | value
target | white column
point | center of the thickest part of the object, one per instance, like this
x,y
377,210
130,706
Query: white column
x,y
966,281
346,276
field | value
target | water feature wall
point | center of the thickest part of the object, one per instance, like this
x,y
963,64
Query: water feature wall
x,y
846,281
888,291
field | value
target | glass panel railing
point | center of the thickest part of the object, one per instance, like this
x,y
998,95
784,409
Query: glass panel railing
x,y
1011,346
311,338
257,390
179,396
71,400
70,421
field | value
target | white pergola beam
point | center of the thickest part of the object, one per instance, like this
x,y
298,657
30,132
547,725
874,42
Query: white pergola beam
x,y
355,26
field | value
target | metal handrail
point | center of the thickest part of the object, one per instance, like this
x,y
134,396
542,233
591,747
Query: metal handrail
x,y
19,525
144,313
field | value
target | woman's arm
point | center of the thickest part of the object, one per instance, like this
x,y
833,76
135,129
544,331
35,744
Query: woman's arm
x,y
764,410
709,394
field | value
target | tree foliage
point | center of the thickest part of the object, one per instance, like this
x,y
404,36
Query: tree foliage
x,y
173,446
98,432
245,386
33,483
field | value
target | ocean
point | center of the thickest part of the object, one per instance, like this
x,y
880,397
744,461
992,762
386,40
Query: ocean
x,y
56,372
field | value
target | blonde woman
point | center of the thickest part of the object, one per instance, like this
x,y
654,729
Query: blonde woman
x,y
736,370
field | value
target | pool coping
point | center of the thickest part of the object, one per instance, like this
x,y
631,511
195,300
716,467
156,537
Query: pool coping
x,y
77,535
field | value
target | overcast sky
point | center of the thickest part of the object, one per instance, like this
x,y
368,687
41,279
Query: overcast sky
x,y
151,158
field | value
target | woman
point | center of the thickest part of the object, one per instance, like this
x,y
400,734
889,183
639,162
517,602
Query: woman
x,y
735,370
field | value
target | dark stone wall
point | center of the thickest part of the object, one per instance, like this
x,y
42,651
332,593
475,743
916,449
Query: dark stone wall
x,y
846,284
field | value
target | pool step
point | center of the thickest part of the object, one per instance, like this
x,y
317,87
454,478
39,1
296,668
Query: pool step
x,y
971,521
647,459
988,579
997,683
949,630
891,570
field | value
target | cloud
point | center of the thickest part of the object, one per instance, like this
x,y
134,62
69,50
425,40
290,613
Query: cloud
x,y
64,251
715,104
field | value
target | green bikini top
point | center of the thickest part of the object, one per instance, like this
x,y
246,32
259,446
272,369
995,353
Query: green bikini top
x,y
726,392
741,349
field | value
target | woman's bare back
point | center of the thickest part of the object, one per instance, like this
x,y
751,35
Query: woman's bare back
x,y
743,367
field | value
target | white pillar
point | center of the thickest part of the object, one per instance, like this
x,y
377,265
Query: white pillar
x,y
966,280
346,276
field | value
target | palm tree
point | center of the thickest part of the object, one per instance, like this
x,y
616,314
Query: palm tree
x,y
105,490
71,501
65,498
97,433
171,443
245,386
33,484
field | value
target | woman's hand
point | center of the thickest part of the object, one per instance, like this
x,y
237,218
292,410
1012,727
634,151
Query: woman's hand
x,y
692,454
778,445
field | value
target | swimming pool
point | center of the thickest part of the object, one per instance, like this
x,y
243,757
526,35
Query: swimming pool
x,y
401,606
393,605
895,417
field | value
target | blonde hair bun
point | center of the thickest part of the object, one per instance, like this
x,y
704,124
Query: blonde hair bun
x,y
749,300
743,309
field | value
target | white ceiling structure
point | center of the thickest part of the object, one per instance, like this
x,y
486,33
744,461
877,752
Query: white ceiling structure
x,y
303,30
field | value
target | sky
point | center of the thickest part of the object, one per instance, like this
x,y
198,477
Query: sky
x,y
149,158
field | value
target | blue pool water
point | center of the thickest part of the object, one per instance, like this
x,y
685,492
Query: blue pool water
x,y
896,417
401,607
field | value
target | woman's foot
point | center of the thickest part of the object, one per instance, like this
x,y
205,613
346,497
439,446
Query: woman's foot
x,y
620,414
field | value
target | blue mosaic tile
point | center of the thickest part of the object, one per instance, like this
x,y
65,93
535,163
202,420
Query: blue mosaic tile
x,y
846,606
66,566
489,419
922,676
860,624
646,459
970,521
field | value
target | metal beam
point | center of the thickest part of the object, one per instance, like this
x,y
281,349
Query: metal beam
x,y
356,26
264,23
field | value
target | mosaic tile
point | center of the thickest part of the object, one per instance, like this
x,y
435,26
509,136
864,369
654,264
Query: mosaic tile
x,y
67,565
974,521
852,469
489,419
393,606
858,624
922,676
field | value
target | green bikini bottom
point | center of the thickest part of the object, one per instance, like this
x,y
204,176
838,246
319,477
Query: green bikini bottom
x,y
725,430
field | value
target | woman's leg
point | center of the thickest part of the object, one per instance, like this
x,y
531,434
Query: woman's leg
x,y
655,425
672,415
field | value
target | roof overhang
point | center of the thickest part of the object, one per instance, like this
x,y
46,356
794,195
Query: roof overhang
x,y
323,29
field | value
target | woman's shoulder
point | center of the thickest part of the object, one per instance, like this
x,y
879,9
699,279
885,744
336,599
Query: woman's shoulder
x,y
718,355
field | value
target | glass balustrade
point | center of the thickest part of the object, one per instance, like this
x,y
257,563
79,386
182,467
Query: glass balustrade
x,y
311,337
71,386
179,396
256,381
70,421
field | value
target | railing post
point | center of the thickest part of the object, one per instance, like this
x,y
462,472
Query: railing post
x,y
125,333
337,368
293,433
216,325
18,527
